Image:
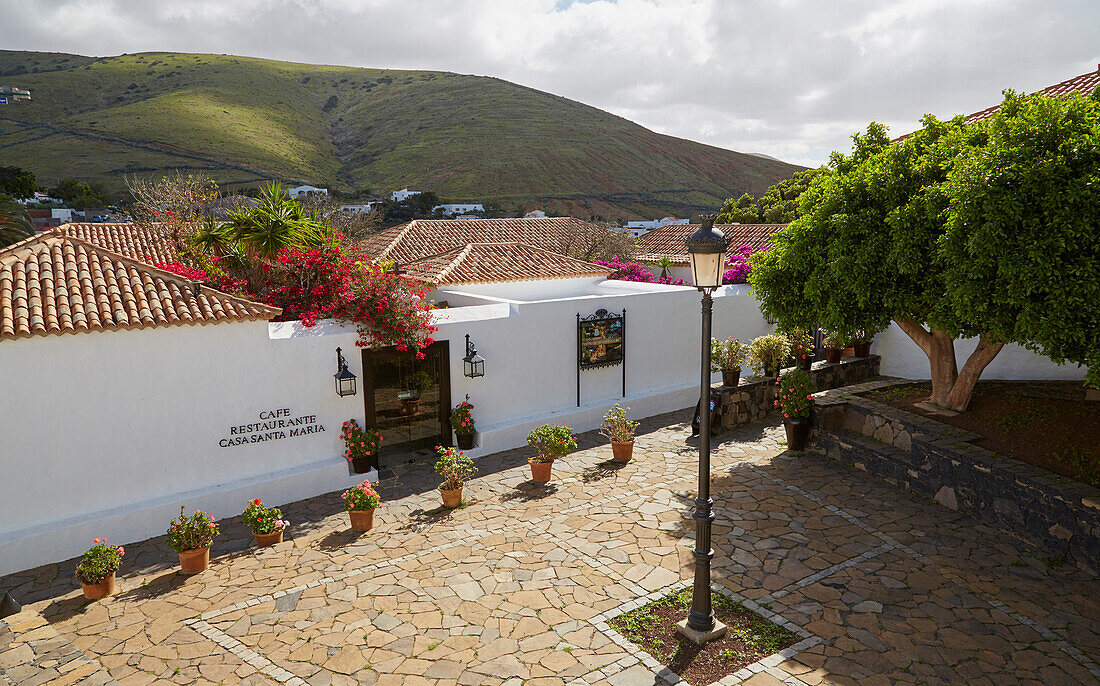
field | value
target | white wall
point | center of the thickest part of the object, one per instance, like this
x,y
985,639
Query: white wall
x,y
901,357
523,291
105,434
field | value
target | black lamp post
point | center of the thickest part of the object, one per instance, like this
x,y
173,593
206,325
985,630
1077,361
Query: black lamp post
x,y
473,364
707,248
345,380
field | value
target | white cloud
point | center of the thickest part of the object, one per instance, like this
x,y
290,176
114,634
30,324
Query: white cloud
x,y
792,79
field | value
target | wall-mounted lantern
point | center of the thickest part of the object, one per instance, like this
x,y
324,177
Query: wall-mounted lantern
x,y
345,380
473,364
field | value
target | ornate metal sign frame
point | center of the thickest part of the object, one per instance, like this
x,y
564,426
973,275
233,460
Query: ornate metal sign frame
x,y
601,342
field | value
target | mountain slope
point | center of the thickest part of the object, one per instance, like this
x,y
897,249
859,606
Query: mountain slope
x,y
241,118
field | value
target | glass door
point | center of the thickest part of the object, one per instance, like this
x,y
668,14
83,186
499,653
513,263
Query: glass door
x,y
407,399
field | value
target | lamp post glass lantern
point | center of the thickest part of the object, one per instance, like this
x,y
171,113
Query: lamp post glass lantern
x,y
345,380
707,249
473,365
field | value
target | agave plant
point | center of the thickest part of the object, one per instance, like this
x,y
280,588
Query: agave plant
x,y
15,223
274,223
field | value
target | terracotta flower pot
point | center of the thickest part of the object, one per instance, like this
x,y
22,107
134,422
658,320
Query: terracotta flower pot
x,y
465,441
361,520
1092,394
862,349
100,590
195,561
832,355
772,372
621,452
805,362
798,432
731,377
264,540
410,407
540,471
361,465
451,498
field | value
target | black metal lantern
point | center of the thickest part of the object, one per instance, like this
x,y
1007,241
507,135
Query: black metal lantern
x,y
707,249
345,380
473,365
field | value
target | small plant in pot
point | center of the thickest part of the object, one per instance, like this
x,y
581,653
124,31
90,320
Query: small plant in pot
x,y
861,343
462,421
834,344
96,570
802,348
360,445
795,397
416,384
551,441
267,523
191,538
767,353
360,502
727,356
619,429
456,468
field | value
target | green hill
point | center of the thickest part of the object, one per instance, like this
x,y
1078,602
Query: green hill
x,y
242,119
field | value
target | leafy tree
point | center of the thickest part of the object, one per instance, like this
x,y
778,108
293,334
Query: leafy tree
x,y
16,182
80,195
15,223
986,229
778,204
418,206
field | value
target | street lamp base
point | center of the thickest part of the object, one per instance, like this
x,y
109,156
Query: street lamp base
x,y
701,637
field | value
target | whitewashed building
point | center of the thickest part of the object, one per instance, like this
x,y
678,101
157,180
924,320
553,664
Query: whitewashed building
x,y
358,208
403,194
300,192
640,228
454,209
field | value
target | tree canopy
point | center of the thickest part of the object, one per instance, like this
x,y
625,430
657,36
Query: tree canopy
x,y
778,204
16,182
986,229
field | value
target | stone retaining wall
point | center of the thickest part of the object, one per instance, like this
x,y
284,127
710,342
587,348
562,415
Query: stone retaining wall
x,y
752,400
941,461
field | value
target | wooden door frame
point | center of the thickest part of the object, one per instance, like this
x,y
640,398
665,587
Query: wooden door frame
x,y
440,348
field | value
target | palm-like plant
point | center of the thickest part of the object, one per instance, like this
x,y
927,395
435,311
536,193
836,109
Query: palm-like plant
x,y
664,262
274,223
15,223
213,238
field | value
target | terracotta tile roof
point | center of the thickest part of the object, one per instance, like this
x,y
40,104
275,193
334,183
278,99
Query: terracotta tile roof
x,y
55,284
671,240
129,240
1085,84
425,237
488,262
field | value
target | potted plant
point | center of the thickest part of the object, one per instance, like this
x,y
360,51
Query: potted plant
x,y
620,431
359,445
767,353
191,537
360,502
551,441
96,570
665,263
834,344
727,356
456,469
795,398
267,523
802,348
463,424
861,343
415,386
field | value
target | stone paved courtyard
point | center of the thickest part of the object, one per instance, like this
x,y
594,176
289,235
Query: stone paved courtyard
x,y
884,587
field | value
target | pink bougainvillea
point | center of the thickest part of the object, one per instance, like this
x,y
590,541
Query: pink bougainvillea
x,y
738,266
633,271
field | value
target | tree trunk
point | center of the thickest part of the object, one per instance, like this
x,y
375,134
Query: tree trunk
x,y
951,389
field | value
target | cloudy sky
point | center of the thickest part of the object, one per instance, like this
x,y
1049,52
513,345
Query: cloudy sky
x,y
789,78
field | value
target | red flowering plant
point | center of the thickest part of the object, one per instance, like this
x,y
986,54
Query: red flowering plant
x,y
802,344
336,281
359,443
99,562
795,393
191,533
361,498
633,271
455,467
263,519
213,277
461,419
551,441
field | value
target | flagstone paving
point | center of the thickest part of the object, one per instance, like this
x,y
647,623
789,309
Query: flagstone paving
x,y
884,587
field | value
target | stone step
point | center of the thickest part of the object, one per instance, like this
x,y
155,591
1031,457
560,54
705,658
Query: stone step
x,y
32,652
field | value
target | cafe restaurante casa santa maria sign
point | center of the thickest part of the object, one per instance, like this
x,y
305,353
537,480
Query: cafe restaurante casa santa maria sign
x,y
273,426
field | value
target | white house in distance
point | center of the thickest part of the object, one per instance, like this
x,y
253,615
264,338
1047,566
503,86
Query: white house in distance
x,y
403,194
640,228
358,208
453,209
534,214
299,192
